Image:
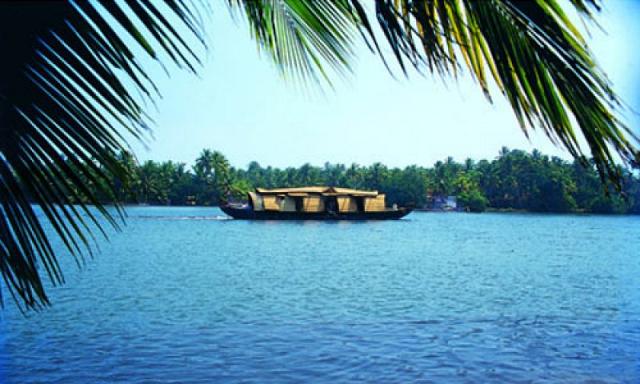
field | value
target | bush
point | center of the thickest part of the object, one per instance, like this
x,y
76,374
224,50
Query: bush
x,y
608,205
473,201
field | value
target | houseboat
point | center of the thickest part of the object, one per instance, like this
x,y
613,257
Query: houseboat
x,y
314,203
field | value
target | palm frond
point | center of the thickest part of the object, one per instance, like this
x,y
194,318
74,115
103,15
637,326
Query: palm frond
x,y
64,105
532,51
302,36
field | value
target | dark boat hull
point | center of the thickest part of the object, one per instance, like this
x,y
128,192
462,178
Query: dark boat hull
x,y
250,214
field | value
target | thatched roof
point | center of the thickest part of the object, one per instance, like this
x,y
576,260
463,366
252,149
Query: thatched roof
x,y
325,191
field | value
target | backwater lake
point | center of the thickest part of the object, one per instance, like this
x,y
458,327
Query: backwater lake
x,y
183,295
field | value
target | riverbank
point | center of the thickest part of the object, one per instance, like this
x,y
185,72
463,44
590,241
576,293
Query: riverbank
x,y
488,210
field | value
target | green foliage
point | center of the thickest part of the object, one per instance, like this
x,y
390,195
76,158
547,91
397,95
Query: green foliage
x,y
535,55
532,182
70,77
470,197
514,180
530,50
473,201
213,178
608,205
240,188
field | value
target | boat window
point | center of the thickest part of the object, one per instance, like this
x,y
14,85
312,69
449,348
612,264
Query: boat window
x,y
331,204
299,204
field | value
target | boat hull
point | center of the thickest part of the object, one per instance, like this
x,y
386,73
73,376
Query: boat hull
x,y
249,214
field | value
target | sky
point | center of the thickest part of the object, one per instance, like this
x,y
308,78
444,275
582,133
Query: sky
x,y
240,105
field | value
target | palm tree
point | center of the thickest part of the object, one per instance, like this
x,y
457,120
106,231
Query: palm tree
x,y
149,183
212,171
69,75
127,187
354,176
221,177
204,164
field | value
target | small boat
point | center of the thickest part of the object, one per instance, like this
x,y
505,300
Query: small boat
x,y
314,203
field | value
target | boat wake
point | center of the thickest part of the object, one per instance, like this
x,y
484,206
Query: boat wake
x,y
180,218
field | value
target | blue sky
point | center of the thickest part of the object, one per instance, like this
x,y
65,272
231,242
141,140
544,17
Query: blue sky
x,y
240,106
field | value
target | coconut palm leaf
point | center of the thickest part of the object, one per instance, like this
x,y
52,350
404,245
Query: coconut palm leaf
x,y
303,37
66,81
531,50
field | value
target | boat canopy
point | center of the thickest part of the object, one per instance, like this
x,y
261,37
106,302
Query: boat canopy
x,y
324,191
316,199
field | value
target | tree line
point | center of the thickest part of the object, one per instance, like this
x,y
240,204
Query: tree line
x,y
514,180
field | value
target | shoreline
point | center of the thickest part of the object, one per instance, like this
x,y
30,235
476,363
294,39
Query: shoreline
x,y
488,210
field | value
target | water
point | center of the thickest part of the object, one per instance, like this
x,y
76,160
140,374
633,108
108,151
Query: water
x,y
184,296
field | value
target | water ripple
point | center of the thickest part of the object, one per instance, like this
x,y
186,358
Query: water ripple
x,y
185,296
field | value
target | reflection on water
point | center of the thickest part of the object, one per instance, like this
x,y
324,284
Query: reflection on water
x,y
184,295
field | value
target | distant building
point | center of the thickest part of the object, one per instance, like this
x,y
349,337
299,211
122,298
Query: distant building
x,y
441,203
451,202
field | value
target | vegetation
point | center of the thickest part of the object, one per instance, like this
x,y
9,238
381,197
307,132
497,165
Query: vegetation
x,y
72,86
514,180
